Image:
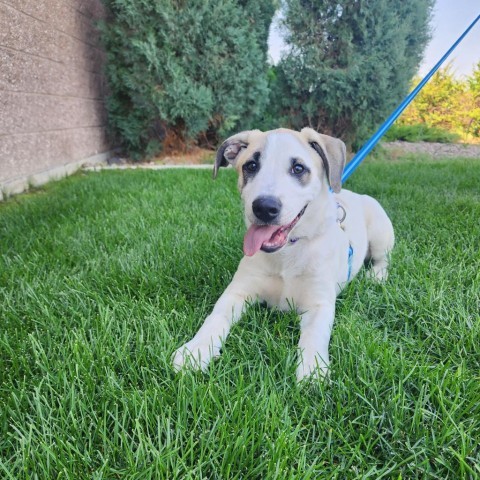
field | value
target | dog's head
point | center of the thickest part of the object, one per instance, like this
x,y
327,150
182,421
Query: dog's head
x,y
280,173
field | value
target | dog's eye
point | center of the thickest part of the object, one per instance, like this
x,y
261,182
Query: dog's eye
x,y
298,169
251,166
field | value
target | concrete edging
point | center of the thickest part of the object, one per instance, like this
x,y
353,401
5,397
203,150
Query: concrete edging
x,y
22,184
144,166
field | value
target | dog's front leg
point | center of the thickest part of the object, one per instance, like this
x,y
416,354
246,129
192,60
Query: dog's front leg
x,y
206,344
315,329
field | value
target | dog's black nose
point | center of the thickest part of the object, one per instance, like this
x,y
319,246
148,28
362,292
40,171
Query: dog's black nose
x,y
266,209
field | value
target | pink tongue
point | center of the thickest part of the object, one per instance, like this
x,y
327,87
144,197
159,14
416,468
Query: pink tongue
x,y
255,237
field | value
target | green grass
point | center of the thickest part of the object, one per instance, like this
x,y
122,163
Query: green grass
x,y
420,133
103,275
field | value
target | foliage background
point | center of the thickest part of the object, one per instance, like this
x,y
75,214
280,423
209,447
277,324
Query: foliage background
x,y
192,72
184,70
448,103
349,63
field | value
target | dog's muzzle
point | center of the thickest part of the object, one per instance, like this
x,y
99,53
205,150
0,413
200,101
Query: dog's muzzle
x,y
268,238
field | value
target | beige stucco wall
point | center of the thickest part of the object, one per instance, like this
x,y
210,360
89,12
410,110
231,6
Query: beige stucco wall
x,y
52,113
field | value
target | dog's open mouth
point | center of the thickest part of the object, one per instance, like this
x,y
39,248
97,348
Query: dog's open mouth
x,y
268,238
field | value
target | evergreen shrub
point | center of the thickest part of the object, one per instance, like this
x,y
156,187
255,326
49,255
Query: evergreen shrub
x,y
349,63
187,70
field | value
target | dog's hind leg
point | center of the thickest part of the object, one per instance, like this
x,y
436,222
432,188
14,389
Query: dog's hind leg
x,y
381,237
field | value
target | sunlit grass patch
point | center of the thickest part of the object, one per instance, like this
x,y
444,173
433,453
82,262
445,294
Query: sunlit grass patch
x,y
103,275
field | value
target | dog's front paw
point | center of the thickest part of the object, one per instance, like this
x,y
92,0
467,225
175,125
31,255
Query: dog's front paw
x,y
312,366
378,274
195,354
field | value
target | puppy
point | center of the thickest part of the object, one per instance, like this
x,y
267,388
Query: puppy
x,y
306,239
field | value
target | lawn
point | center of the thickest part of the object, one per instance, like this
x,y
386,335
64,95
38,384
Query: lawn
x,y
104,275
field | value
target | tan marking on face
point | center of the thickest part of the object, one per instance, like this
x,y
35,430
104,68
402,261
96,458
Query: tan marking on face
x,y
256,146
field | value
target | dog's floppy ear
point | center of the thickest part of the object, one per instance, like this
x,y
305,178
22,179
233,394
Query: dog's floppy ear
x,y
333,153
230,150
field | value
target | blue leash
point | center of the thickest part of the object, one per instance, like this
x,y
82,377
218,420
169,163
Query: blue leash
x,y
373,140
368,146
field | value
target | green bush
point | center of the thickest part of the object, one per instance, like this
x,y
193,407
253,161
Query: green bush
x,y
190,69
420,133
349,63
448,102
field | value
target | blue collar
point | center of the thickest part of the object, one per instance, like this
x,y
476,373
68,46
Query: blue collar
x,y
350,260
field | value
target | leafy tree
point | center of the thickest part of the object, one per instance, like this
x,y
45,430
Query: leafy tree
x,y
349,63
447,102
184,68
474,89
438,103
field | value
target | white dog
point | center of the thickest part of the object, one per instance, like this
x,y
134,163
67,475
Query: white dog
x,y
303,243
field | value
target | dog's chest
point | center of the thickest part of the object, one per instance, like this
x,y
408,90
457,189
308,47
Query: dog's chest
x,y
287,293
300,277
